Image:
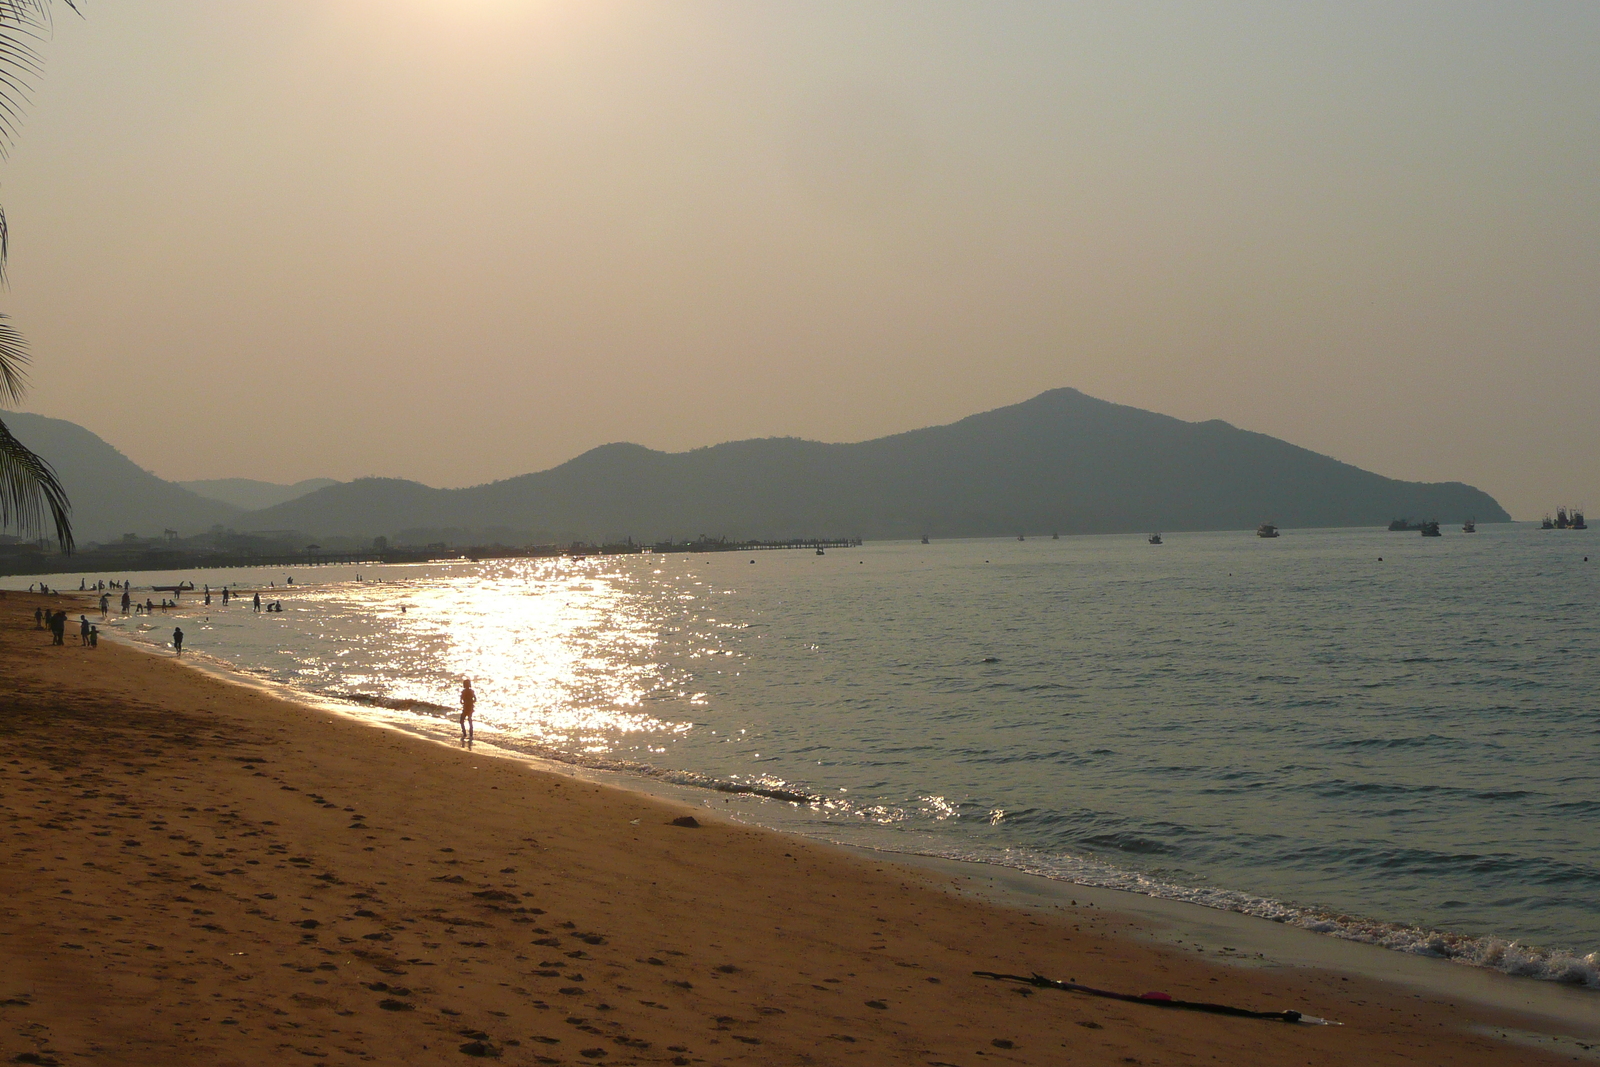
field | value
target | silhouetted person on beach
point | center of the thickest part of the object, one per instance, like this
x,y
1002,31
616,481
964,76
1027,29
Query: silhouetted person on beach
x,y
177,640
83,631
94,637
58,628
258,602
126,600
469,701
38,618
105,604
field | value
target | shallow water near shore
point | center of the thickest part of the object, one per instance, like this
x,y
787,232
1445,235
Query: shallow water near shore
x,y
1402,752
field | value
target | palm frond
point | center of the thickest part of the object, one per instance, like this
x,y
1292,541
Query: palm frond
x,y
29,489
22,22
13,360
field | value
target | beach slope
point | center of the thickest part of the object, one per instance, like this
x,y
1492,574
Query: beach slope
x,y
194,871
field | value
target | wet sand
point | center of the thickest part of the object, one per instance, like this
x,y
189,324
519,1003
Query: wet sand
x,y
193,871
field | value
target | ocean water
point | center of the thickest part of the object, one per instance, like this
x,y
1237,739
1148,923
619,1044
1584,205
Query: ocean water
x,y
1403,750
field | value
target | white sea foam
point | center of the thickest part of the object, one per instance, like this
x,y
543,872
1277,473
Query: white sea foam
x,y
1507,957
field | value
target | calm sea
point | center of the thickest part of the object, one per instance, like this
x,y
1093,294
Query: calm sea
x,y
1382,736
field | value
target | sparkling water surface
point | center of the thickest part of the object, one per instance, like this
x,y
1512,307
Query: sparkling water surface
x,y
1405,751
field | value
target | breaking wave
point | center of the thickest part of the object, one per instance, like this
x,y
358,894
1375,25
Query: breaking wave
x,y
1494,953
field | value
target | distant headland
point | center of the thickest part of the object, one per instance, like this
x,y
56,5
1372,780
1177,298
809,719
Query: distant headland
x,y
1062,462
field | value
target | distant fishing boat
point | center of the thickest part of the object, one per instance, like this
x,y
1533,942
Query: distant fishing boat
x,y
924,538
1055,537
1431,529
1470,526
1403,525
1566,519
821,553
1155,539
1266,529
1021,538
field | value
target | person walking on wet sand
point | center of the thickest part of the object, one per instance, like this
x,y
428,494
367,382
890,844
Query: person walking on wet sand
x,y
469,701
83,630
177,640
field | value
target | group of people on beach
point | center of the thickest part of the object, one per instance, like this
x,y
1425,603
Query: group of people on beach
x,y
89,634
56,623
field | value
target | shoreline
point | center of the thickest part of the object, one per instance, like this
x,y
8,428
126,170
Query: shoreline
x,y
1559,1002
278,865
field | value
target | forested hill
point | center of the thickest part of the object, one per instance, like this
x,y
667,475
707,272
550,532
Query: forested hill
x,y
111,495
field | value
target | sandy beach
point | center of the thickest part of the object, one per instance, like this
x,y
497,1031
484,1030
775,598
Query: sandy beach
x,y
195,871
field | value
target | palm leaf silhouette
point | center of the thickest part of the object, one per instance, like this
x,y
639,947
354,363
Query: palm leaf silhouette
x,y
29,488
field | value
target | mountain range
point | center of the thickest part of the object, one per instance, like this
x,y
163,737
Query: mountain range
x,y
249,494
111,495
1061,462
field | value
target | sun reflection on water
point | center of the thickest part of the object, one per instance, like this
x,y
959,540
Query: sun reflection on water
x,y
560,652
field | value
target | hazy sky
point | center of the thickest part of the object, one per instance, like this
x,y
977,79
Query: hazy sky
x,y
458,240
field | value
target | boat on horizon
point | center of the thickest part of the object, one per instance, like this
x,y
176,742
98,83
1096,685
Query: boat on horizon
x,y
1547,524
1155,539
924,538
1577,520
1431,529
1403,525
1266,529
1470,526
